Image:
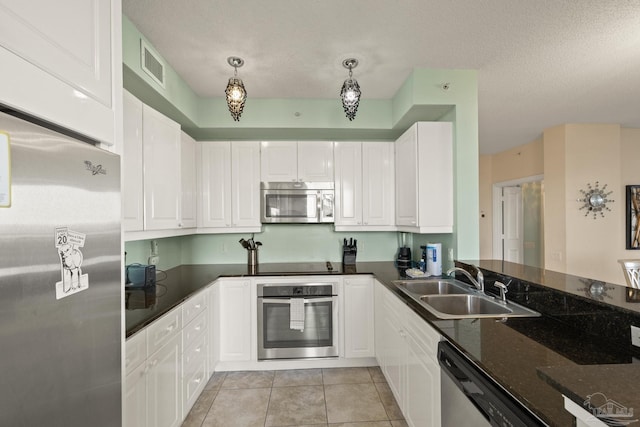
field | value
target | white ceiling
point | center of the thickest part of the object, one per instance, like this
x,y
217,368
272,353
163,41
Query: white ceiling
x,y
540,62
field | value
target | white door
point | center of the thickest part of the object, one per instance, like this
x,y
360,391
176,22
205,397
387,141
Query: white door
x,y
359,317
164,385
378,189
512,227
215,184
315,161
188,185
235,320
348,183
161,142
406,178
132,166
135,398
279,161
245,183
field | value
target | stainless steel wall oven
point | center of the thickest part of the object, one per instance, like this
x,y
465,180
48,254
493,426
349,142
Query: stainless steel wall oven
x,y
297,320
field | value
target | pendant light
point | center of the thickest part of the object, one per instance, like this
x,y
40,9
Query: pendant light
x,y
236,93
350,93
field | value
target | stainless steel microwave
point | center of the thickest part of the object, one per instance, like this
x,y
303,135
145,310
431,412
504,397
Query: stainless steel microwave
x,y
297,202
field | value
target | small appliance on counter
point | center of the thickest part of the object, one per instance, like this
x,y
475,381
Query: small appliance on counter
x,y
140,276
404,257
349,252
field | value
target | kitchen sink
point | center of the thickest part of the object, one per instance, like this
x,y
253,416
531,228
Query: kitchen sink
x,y
432,286
452,299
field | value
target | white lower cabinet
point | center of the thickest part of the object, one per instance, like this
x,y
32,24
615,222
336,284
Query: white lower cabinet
x,y
358,317
195,368
164,385
195,339
234,307
406,349
135,390
153,384
167,365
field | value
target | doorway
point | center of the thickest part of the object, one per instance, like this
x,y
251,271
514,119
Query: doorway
x,y
518,221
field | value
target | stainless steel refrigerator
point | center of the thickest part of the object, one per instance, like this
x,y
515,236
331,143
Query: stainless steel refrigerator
x,y
60,292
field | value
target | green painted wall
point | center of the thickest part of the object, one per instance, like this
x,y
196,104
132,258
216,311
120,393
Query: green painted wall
x,y
421,97
281,243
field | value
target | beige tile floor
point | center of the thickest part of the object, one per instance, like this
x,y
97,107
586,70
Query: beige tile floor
x,y
339,397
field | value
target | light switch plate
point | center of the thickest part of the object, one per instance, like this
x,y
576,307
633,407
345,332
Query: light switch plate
x,y
635,336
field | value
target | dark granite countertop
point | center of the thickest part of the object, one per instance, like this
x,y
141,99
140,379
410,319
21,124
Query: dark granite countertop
x,y
512,352
177,284
605,388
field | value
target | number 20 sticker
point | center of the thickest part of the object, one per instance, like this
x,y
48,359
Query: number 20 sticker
x,y
68,243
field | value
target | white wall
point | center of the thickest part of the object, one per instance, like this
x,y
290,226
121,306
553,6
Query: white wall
x,y
570,156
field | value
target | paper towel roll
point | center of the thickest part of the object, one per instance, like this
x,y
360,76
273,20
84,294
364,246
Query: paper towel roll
x,y
434,259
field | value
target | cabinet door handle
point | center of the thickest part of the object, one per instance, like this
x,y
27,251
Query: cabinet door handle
x,y
198,349
197,306
198,328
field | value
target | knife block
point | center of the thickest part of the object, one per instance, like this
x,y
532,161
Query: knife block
x,y
349,255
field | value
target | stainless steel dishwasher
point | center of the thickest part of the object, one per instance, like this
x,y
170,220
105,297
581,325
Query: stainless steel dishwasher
x,y
471,399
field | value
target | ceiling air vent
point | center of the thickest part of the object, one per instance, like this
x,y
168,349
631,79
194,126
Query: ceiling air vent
x,y
151,64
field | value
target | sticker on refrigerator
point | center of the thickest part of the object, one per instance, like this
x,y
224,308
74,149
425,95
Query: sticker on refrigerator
x,y
5,171
68,243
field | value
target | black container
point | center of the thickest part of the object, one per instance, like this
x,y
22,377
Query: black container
x,y
404,257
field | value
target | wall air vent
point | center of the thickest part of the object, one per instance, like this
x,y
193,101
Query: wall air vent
x,y
151,63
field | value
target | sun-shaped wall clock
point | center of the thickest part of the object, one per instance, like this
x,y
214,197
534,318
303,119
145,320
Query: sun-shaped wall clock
x,y
595,200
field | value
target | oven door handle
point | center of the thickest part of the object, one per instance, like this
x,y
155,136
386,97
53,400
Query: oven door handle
x,y
288,300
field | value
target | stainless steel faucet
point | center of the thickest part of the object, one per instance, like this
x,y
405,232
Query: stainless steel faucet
x,y
479,283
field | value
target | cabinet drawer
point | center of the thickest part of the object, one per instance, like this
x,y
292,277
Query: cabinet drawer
x,y
193,330
163,329
195,305
193,383
425,336
135,350
192,354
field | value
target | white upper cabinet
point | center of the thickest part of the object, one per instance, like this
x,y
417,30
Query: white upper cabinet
x,y
158,173
61,61
279,161
188,206
315,161
132,170
364,177
305,161
161,146
229,175
378,189
348,184
424,178
245,183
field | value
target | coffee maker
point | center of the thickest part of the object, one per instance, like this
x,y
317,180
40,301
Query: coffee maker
x,y
403,260
404,257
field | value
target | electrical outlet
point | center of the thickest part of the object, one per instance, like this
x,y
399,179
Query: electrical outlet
x,y
154,247
635,336
154,259
450,254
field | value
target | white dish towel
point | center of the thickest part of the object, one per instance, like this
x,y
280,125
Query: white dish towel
x,y
296,314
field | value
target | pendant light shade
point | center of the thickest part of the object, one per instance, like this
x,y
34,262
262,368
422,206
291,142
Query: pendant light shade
x,y
350,93
235,92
